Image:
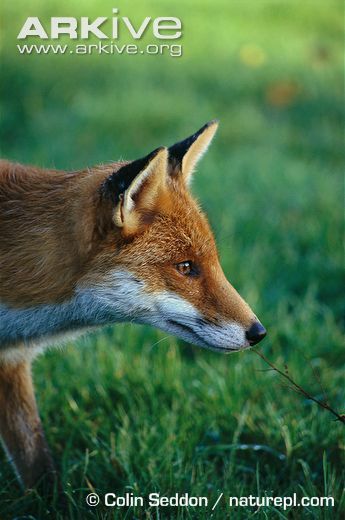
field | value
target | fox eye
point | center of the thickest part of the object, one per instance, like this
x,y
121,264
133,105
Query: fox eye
x,y
187,268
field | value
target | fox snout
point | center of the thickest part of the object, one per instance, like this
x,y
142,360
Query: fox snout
x,y
221,322
181,319
225,336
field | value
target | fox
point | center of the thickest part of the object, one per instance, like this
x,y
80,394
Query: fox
x,y
122,241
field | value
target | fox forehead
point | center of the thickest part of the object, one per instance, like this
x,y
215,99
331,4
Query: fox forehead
x,y
179,228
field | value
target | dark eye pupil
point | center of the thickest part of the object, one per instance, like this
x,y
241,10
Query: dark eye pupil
x,y
184,267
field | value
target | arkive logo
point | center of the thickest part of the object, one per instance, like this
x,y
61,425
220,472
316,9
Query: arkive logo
x,y
104,28
164,31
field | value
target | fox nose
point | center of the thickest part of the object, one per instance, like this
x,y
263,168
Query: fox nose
x,y
256,333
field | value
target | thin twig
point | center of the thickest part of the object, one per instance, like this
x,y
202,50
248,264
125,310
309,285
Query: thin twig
x,y
316,374
299,389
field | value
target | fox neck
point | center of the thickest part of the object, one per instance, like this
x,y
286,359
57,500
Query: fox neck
x,y
89,307
50,232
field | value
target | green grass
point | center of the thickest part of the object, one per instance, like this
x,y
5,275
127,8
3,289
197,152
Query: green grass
x,y
129,409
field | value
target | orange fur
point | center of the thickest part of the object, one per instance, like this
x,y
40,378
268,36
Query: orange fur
x,y
53,237
48,231
69,235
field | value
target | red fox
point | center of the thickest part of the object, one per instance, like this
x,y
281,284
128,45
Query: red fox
x,y
119,242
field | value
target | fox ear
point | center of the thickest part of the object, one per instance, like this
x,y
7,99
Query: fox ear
x,y
184,155
134,188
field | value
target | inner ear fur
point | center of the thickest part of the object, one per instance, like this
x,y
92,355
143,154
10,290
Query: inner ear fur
x,y
134,188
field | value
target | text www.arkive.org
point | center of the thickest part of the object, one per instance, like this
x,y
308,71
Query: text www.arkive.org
x,y
173,50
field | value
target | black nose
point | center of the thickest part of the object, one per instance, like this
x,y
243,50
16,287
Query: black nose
x,y
256,333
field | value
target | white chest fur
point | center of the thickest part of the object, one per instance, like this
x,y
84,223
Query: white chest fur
x,y
112,301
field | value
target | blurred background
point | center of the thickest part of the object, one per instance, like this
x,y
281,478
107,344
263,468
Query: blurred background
x,y
132,409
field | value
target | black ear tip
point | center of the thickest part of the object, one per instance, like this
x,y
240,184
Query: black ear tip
x,y
212,122
148,158
157,151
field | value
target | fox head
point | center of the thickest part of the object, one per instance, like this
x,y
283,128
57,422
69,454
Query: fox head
x,y
158,262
